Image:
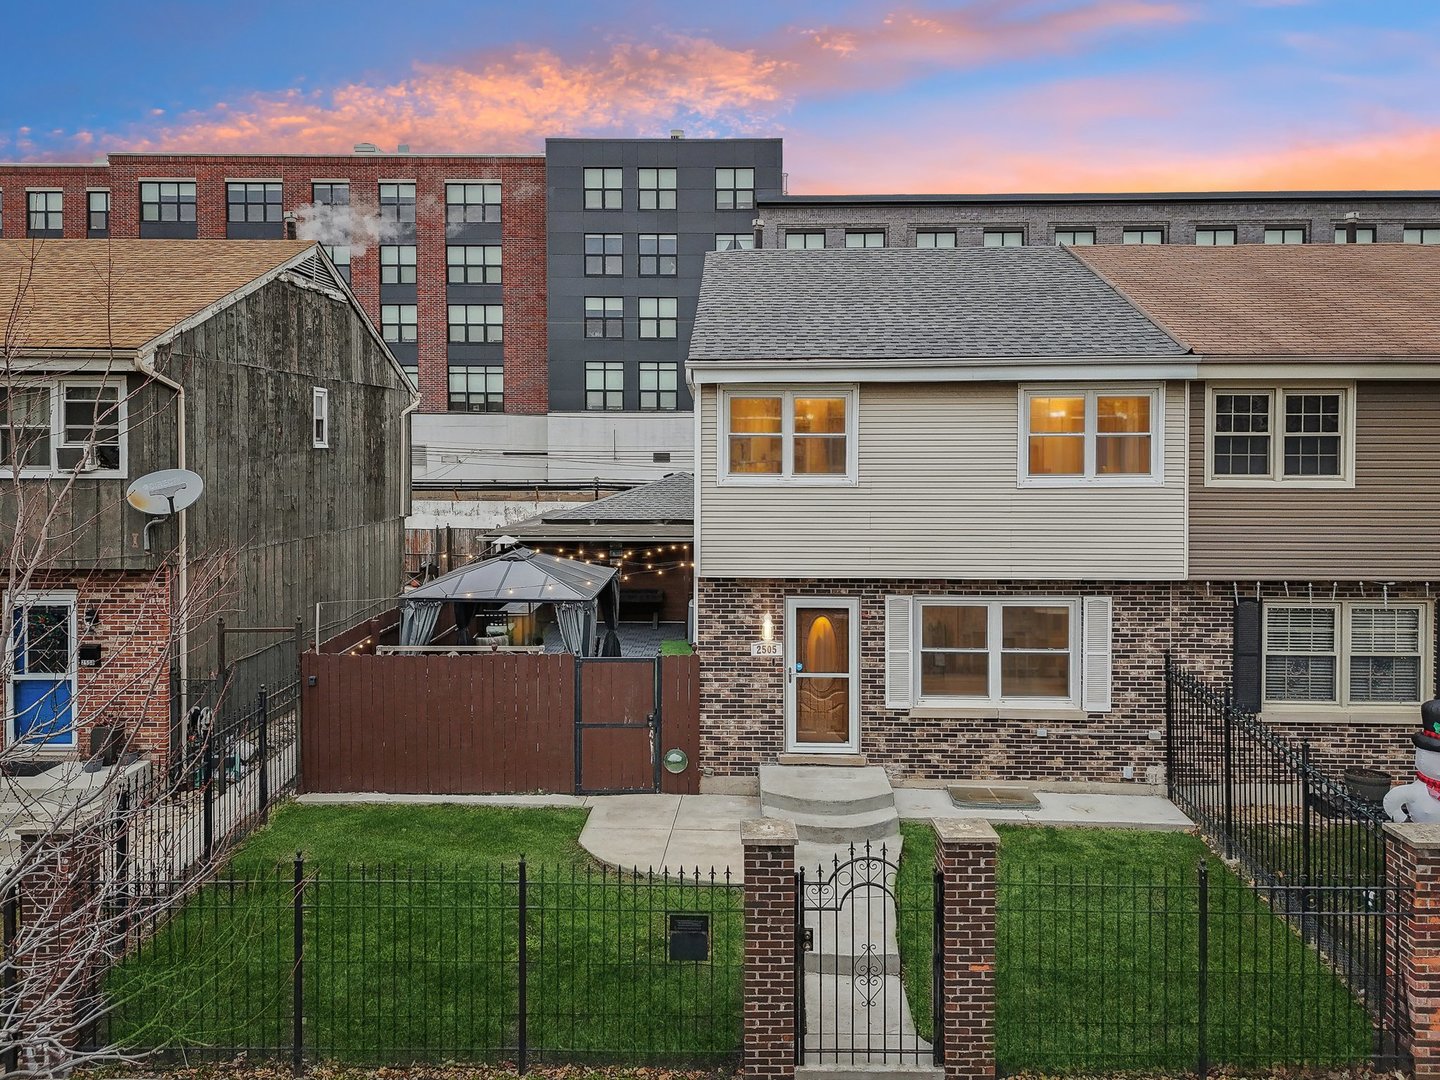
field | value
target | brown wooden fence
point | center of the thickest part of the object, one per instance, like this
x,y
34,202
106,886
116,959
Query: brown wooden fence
x,y
503,723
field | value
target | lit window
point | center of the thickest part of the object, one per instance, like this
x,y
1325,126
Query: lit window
x,y
1272,434
734,189
165,200
397,264
658,254
97,204
604,385
1143,236
1090,436
1075,237
1215,237
1364,234
1350,653
398,323
330,193
659,384
935,238
477,388
657,189
397,203
321,417
340,256
604,254
1004,237
47,212
996,651
476,324
251,202
604,316
473,264
466,204
804,239
1422,234
793,434
1284,236
735,241
657,316
864,239
602,189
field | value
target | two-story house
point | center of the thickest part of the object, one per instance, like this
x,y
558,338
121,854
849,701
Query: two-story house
x,y
248,364
954,506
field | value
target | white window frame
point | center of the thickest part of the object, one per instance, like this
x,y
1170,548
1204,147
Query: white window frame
x,y
1344,609
787,476
320,418
70,598
1154,478
1073,231
1277,477
995,606
57,427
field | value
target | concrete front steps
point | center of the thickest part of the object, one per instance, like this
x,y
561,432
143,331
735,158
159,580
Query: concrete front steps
x,y
834,806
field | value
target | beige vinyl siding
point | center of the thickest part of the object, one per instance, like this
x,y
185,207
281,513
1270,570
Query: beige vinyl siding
x,y
937,497
1384,528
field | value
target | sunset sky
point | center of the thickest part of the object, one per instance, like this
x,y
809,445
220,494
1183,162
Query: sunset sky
x,y
989,95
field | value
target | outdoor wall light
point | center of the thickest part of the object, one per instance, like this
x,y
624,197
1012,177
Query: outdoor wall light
x,y
675,760
92,620
767,628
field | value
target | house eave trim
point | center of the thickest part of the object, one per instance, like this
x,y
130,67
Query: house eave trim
x,y
930,371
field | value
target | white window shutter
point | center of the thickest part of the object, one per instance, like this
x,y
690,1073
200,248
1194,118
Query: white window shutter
x,y
899,663
1095,654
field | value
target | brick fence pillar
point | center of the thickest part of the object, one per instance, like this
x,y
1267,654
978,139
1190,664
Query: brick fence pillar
x,y
965,857
769,1024
1414,870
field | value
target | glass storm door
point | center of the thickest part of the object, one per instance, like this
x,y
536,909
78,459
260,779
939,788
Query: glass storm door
x,y
42,681
822,707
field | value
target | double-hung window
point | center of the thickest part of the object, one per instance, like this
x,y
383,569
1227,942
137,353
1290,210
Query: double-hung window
x,y
97,218
996,651
657,317
47,212
60,427
1090,436
467,203
320,414
803,435
1290,435
1358,653
657,189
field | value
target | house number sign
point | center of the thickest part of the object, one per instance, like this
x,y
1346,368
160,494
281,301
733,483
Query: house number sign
x,y
773,649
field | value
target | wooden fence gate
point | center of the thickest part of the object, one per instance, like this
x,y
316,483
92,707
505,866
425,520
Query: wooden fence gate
x,y
504,723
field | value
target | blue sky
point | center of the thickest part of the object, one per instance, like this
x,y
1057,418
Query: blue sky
x,y
981,95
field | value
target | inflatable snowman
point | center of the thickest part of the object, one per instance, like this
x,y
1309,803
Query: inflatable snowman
x,y
1420,800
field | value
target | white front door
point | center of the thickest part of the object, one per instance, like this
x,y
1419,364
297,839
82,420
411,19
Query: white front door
x,y
822,655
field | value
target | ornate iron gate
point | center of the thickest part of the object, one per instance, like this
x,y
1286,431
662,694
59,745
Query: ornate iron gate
x,y
863,942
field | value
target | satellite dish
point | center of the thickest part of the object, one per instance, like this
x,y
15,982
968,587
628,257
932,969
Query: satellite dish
x,y
160,494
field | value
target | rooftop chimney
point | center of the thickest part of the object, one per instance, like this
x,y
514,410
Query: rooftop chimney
x,y
677,133
291,225
403,148
366,148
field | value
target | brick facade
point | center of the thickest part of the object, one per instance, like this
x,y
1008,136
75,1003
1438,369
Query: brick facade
x,y
1413,871
769,1017
742,713
965,856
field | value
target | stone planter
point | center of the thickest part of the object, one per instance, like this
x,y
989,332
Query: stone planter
x,y
1367,785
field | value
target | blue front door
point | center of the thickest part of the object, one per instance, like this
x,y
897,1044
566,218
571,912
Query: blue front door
x,y
42,687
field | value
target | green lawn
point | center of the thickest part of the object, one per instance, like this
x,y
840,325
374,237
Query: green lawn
x,y
409,963
676,647
1097,959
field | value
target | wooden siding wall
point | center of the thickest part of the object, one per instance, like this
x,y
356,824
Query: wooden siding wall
x,y
937,498
1382,529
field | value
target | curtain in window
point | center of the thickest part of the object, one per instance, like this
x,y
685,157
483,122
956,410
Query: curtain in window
x,y
417,621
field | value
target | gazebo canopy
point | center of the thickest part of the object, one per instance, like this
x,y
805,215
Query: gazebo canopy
x,y
518,575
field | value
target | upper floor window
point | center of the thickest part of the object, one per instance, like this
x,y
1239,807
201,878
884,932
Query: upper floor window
x,y
734,189
477,388
47,211
856,238
340,256
252,201
658,254
604,385
734,241
1004,237
320,414
804,435
473,264
602,189
934,238
604,316
1143,236
811,238
1422,234
1215,237
476,324
657,189
330,193
1346,653
399,323
657,316
1075,237
604,254
1268,434
397,202
167,200
64,426
659,386
97,205
1090,436
397,264
1364,234
1285,236
467,203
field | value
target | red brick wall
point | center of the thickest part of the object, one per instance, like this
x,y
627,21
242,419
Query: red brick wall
x,y
742,698
522,182
769,1019
965,856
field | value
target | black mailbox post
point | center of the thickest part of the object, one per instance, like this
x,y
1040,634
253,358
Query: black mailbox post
x,y
689,936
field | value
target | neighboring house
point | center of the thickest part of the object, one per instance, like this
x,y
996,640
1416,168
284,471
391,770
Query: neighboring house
x,y
975,495
250,364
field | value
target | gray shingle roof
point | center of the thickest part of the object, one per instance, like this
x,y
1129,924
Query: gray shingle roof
x,y
670,499
904,303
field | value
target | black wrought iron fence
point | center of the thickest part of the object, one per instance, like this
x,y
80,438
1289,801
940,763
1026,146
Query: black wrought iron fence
x,y
390,965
